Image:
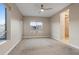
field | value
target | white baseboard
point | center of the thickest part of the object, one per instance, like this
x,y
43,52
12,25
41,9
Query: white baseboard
x,y
74,46
12,48
68,44
26,37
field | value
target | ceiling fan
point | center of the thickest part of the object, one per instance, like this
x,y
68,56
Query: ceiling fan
x,y
44,9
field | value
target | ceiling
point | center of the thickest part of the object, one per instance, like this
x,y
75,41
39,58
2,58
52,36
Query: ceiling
x,y
33,9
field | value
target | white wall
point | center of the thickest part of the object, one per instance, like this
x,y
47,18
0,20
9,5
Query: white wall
x,y
28,33
73,26
55,27
14,29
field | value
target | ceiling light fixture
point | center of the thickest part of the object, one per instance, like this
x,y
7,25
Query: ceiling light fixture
x,y
42,10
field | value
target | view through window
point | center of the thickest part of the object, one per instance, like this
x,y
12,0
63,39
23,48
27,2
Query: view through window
x,y
2,22
36,25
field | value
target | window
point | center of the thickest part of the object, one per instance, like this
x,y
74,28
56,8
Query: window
x,y
36,25
3,26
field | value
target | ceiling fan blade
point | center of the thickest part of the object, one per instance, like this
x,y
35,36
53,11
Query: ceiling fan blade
x,y
39,12
47,8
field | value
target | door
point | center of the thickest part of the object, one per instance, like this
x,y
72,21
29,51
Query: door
x,y
64,24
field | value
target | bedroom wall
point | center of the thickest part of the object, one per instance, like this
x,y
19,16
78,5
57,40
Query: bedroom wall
x,y
73,25
28,33
55,27
14,26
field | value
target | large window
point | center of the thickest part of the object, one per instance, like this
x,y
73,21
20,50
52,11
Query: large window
x,y
3,25
36,25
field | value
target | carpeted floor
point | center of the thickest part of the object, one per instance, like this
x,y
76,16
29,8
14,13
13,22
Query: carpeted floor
x,y
43,46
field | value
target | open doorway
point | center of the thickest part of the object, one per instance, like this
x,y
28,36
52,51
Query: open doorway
x,y
64,22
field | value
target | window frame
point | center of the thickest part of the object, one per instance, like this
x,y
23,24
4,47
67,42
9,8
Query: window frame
x,y
5,23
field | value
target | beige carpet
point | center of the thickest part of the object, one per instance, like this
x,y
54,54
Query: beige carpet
x,y
43,46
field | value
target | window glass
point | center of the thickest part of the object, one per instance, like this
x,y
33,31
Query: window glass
x,y
2,22
36,25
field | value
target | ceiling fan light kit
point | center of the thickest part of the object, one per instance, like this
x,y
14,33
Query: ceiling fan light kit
x,y
42,10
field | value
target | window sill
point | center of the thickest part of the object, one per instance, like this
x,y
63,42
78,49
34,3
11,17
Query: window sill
x,y
2,42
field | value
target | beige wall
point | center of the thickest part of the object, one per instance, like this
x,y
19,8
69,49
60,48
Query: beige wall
x,y
28,33
14,29
55,27
73,26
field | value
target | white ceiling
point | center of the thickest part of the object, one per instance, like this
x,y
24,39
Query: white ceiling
x,y
33,9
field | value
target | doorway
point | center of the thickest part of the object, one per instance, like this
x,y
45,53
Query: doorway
x,y
64,22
